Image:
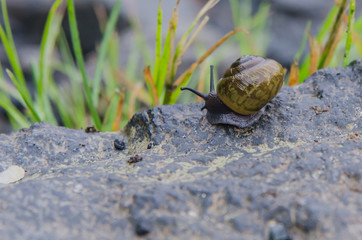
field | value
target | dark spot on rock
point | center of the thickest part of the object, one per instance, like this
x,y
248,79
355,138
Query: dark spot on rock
x,y
134,159
91,129
320,94
143,226
119,144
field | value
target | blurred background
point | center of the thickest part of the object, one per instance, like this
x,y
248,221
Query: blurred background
x,y
277,28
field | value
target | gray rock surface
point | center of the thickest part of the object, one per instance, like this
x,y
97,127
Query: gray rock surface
x,y
295,174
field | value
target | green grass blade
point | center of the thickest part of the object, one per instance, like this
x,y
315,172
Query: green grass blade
x,y
328,46
5,101
158,48
260,29
142,45
12,112
167,80
141,40
9,89
22,89
79,57
132,62
303,67
26,99
357,28
74,97
241,11
113,52
11,49
110,114
182,43
72,117
235,13
18,80
60,101
352,6
65,49
303,43
103,50
50,33
327,23
163,64
323,31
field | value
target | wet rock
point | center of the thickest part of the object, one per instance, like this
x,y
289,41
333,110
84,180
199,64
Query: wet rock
x,y
295,174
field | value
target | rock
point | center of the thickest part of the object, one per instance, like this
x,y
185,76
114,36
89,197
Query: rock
x,y
295,174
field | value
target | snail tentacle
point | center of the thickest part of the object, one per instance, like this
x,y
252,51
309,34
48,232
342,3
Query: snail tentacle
x,y
212,87
203,96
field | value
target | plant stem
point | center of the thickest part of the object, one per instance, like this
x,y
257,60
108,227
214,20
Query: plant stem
x,y
332,37
352,6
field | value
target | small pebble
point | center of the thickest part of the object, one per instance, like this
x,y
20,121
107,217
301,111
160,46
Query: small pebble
x,y
12,174
91,129
134,159
119,144
150,145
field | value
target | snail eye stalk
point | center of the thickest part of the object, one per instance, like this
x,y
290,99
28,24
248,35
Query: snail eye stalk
x,y
203,96
212,87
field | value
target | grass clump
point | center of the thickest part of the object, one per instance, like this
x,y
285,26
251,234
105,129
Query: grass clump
x,y
84,100
49,98
162,83
332,45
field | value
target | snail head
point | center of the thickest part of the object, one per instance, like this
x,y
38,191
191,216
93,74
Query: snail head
x,y
213,104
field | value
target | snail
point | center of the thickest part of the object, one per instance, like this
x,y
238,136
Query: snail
x,y
243,91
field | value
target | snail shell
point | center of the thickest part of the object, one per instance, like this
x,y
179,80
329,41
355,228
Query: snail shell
x,y
243,91
250,83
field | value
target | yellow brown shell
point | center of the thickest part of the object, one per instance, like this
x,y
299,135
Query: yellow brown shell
x,y
250,83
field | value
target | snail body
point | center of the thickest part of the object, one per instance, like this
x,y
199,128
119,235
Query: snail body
x,y
243,91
